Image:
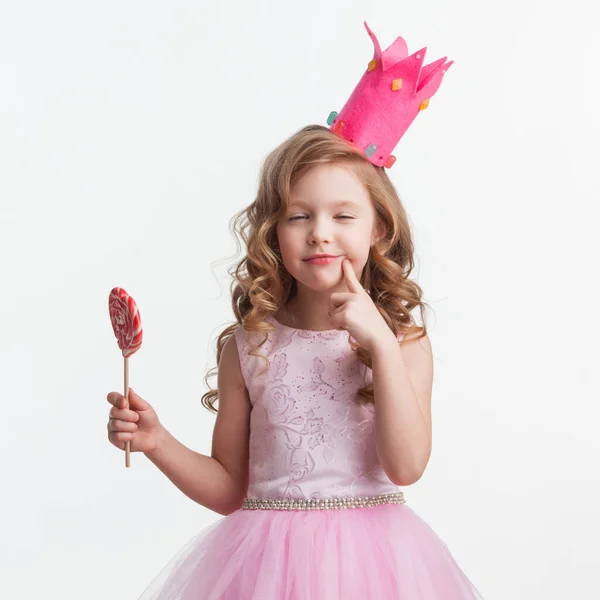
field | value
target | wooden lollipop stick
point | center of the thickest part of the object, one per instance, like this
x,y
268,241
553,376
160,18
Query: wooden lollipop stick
x,y
126,394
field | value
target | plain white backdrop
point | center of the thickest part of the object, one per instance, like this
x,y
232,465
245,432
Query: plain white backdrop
x,y
130,133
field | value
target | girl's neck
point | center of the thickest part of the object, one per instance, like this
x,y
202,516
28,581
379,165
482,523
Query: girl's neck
x,y
311,313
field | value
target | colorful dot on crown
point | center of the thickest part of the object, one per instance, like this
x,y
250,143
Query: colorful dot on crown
x,y
396,85
372,65
390,161
331,117
370,150
424,104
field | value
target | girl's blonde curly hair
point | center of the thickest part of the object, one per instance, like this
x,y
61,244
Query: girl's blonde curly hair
x,y
261,284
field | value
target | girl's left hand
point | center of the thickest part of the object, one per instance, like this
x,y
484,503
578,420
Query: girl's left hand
x,y
355,312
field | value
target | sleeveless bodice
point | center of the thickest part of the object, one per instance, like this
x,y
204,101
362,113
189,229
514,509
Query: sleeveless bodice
x,y
309,438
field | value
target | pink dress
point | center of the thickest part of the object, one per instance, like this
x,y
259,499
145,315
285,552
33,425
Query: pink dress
x,y
321,520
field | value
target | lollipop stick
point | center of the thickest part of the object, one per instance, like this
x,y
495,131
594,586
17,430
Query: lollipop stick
x,y
126,394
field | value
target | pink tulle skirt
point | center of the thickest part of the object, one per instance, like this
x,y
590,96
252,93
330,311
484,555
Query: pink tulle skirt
x,y
372,553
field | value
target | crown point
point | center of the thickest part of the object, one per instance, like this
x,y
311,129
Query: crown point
x,y
390,161
396,85
331,118
372,65
370,150
338,127
424,104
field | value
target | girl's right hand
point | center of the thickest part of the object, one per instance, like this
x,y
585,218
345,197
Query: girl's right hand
x,y
139,424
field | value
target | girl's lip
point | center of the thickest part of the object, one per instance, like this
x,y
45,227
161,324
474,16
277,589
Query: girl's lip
x,y
322,260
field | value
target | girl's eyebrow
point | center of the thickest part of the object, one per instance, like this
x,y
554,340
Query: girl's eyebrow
x,y
346,203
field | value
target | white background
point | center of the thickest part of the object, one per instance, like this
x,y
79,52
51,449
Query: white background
x,y
130,132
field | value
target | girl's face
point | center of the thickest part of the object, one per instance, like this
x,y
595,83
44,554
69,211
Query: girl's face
x,y
330,212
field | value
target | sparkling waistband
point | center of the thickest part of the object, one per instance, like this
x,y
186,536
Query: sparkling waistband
x,y
321,503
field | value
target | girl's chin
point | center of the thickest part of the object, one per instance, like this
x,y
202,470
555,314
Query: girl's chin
x,y
322,284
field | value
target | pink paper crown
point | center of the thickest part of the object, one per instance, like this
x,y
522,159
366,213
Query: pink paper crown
x,y
387,99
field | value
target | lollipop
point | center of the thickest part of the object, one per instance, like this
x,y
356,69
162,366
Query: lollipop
x,y
127,326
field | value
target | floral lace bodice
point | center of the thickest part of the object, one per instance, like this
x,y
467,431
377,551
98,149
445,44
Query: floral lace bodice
x,y
308,436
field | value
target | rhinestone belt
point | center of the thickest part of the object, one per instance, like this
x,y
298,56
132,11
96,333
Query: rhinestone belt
x,y
321,503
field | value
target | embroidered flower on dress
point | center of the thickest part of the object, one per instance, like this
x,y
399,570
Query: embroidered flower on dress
x,y
278,403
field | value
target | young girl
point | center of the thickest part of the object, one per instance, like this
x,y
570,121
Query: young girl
x,y
324,390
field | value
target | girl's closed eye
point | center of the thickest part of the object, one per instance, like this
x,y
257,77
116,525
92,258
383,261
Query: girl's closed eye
x,y
304,216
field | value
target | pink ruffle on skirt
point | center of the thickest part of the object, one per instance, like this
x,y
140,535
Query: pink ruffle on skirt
x,y
373,553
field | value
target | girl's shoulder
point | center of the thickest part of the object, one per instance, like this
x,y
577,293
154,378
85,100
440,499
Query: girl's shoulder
x,y
230,359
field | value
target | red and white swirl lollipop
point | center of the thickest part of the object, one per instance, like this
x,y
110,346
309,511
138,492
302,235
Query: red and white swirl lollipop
x,y
127,327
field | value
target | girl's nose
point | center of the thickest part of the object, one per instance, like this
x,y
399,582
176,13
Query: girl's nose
x,y
320,231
